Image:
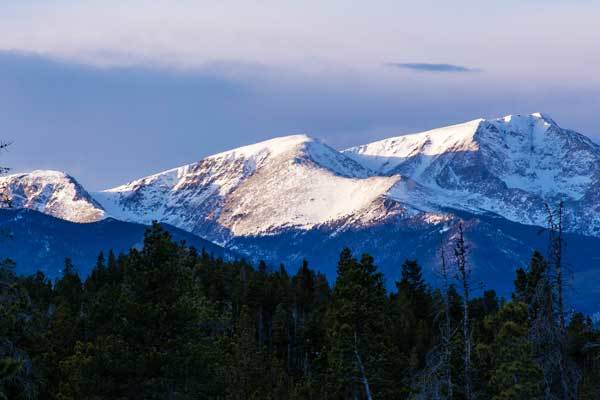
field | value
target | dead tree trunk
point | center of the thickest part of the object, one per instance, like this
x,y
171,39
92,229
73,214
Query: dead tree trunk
x,y
447,329
464,276
555,232
558,362
361,369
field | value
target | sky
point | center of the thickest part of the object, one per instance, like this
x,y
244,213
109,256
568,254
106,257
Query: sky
x,y
109,91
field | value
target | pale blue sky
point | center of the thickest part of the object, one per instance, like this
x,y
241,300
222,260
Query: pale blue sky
x,y
112,90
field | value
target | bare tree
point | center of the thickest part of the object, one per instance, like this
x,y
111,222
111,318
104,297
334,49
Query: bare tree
x,y
548,328
4,195
432,380
447,325
464,277
555,231
361,369
435,382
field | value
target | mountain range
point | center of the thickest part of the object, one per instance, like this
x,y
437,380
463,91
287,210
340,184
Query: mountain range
x,y
294,197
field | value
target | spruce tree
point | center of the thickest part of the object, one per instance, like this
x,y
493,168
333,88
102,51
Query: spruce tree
x,y
356,327
514,374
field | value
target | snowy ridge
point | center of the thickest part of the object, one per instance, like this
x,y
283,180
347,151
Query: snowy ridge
x,y
386,155
51,192
293,182
509,166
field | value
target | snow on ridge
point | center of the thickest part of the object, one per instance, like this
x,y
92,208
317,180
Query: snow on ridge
x,y
252,156
508,166
387,154
536,117
52,192
252,153
292,181
273,147
48,174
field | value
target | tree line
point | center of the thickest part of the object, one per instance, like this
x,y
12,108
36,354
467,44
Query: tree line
x,y
170,322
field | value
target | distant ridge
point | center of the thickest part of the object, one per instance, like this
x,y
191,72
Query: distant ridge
x,y
37,241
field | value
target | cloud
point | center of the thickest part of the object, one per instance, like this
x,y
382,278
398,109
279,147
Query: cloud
x,y
69,116
429,67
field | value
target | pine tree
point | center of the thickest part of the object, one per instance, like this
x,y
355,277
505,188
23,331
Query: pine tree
x,y
412,318
514,373
356,329
16,377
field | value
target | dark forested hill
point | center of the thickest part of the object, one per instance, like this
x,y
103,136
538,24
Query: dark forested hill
x,y
497,247
164,322
37,241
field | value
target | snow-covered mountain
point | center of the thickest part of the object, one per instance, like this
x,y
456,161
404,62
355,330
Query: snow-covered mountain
x,y
292,182
293,197
51,192
509,166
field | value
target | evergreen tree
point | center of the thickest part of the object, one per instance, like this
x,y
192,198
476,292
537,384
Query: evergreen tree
x,y
411,323
514,374
17,380
357,323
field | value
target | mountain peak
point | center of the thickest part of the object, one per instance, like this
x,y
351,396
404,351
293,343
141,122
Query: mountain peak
x,y
271,147
44,173
292,148
522,122
515,163
282,182
387,154
52,192
543,116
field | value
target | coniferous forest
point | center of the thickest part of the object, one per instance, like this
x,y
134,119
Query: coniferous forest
x,y
170,322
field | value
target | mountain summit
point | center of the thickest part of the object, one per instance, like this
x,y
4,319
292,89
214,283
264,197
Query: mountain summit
x,y
509,166
292,182
52,192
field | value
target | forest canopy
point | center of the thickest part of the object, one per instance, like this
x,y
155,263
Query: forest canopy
x,y
170,322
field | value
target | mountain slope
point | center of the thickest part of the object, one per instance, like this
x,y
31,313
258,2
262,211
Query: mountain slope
x,y
41,242
293,182
509,166
53,193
